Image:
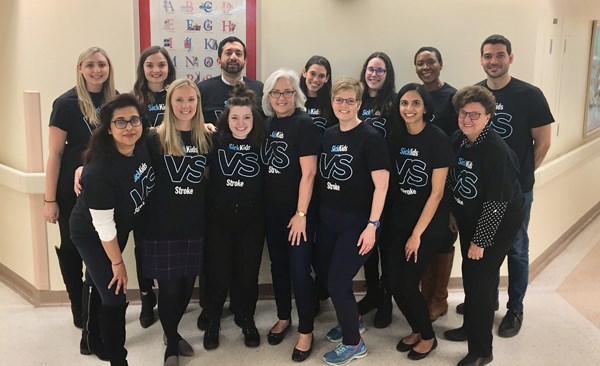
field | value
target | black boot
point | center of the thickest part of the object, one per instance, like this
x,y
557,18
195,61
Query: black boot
x,y
112,323
372,298
71,270
91,342
383,316
147,317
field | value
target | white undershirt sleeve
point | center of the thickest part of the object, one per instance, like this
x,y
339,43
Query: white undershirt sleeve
x,y
104,223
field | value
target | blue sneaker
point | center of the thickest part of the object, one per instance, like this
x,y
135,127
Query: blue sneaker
x,y
335,334
343,354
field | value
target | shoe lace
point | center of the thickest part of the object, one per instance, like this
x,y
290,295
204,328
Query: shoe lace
x,y
342,348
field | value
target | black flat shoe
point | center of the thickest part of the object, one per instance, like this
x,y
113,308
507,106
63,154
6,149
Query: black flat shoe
x,y
456,335
300,356
403,347
414,355
472,360
276,338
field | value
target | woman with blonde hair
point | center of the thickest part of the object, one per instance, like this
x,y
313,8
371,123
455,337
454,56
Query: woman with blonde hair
x,y
173,220
75,114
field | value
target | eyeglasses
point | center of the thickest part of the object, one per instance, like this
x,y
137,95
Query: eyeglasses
x,y
121,123
376,70
286,93
349,101
473,116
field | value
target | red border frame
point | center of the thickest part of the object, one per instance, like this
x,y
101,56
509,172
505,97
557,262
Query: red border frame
x,y
146,39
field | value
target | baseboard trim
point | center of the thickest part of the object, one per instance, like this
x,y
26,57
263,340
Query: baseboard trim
x,y
559,245
265,290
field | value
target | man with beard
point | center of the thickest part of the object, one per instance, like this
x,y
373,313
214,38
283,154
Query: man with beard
x,y
522,118
214,92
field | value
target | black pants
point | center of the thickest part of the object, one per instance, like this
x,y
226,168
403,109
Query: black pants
x,y
235,238
99,268
339,261
290,266
145,284
402,276
480,293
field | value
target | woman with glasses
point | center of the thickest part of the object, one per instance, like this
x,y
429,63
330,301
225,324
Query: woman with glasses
x,y
487,210
173,221
315,83
417,215
115,182
155,71
434,285
353,180
75,114
290,155
376,110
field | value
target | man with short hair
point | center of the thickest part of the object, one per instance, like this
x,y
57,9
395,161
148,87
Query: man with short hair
x,y
214,92
522,119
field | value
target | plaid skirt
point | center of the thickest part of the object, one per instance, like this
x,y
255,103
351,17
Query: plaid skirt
x,y
172,259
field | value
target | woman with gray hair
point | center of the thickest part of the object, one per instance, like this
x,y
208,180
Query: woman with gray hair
x,y
290,155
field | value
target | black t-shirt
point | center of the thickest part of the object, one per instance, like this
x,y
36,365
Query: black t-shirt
x,y
444,115
345,164
176,209
372,116
315,111
414,157
237,172
485,172
519,108
214,94
67,116
288,139
155,112
117,182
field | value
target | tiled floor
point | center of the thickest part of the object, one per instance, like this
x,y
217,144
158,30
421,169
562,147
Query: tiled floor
x,y
558,329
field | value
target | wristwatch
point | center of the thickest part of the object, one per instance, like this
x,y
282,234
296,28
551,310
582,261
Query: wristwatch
x,y
301,213
375,223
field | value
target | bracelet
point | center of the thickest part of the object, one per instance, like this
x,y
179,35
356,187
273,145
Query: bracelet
x,y
114,265
49,201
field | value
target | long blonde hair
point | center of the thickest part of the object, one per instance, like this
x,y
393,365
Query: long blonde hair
x,y
170,139
86,105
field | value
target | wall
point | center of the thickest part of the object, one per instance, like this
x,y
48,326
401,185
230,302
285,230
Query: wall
x,y
47,37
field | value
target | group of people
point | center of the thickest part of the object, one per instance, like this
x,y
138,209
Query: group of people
x,y
335,175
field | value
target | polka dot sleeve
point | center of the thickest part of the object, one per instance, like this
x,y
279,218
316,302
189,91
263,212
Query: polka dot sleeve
x,y
488,223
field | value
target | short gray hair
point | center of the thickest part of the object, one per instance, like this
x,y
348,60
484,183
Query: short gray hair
x,y
293,78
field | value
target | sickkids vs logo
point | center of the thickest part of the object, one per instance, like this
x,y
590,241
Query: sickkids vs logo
x,y
144,175
239,164
274,155
336,166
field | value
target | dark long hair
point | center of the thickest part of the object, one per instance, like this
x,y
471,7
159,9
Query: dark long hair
x,y
241,96
102,143
324,94
385,97
140,88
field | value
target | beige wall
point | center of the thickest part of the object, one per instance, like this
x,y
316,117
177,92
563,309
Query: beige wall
x,y
47,36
